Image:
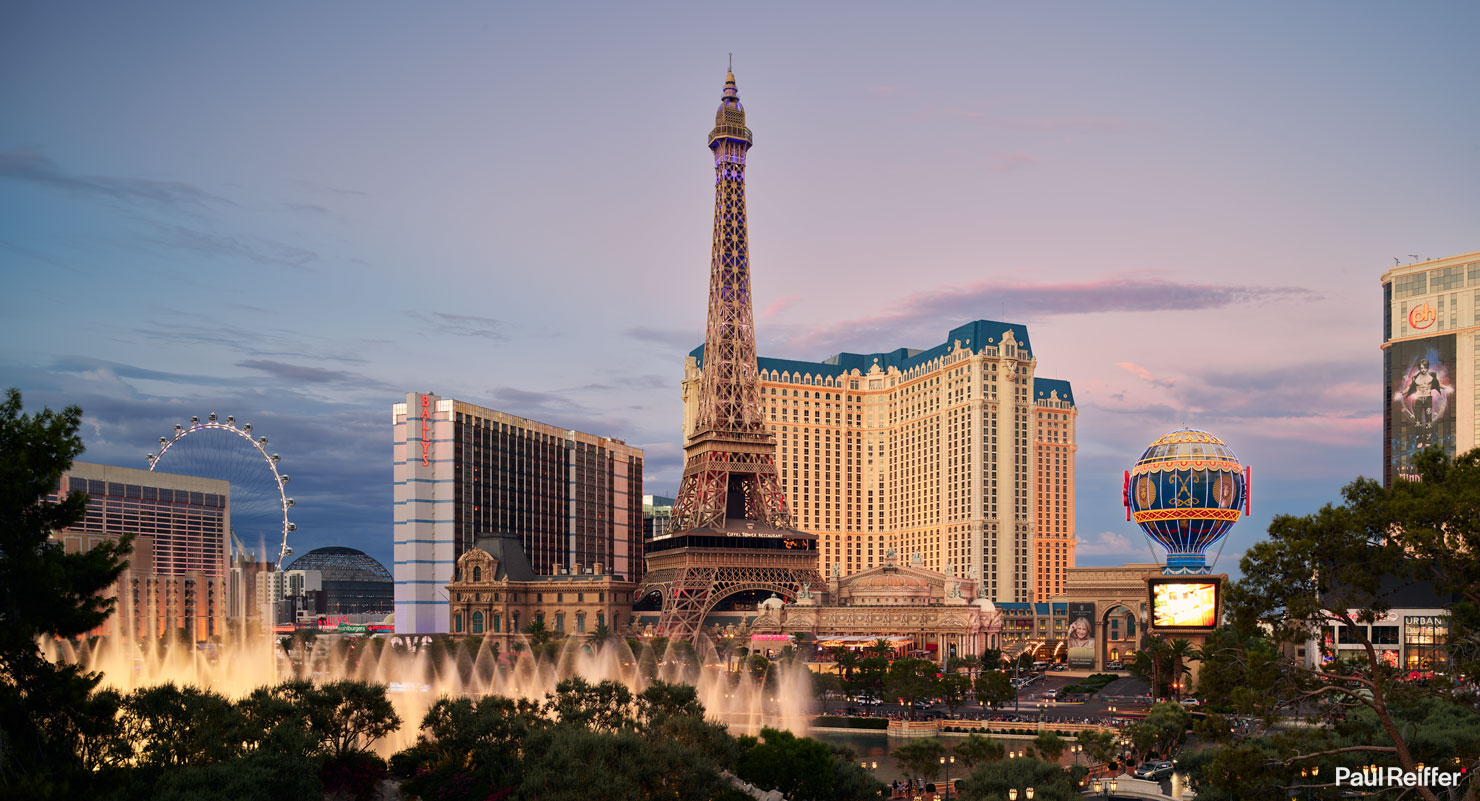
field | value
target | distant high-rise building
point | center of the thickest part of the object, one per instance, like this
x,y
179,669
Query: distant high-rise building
x,y
462,472
1431,355
657,515
942,452
1054,445
177,574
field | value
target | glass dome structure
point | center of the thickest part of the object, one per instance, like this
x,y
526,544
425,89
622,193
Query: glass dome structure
x,y
354,581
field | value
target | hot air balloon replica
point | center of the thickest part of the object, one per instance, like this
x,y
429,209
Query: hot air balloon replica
x,y
1186,491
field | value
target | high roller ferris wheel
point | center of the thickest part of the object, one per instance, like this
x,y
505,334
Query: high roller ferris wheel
x,y
222,450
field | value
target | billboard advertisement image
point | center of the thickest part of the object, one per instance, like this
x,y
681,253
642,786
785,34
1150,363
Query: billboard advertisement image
x,y
1420,385
1081,636
1184,604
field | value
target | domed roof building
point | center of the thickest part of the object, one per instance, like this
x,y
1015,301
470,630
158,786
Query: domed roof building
x,y
354,582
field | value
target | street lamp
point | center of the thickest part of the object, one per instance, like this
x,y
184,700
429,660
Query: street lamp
x,y
947,762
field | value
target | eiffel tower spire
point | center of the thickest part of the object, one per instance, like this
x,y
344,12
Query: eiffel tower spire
x,y
730,469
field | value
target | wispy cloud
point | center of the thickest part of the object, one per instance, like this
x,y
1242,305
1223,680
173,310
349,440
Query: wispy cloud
x,y
1145,375
32,167
304,374
1007,162
463,325
194,329
253,249
921,314
1107,543
671,337
329,190
779,305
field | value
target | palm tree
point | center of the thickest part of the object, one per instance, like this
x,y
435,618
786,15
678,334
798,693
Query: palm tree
x,y
797,639
846,661
880,647
1178,652
537,633
601,635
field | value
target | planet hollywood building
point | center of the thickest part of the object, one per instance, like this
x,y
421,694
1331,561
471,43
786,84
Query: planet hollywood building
x,y
1431,355
464,472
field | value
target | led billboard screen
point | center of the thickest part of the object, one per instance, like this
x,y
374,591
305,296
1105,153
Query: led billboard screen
x,y
1184,604
1421,394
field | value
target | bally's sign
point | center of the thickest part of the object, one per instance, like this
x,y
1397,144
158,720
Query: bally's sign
x,y
426,429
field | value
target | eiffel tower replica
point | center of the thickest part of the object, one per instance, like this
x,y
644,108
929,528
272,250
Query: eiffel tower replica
x,y
731,530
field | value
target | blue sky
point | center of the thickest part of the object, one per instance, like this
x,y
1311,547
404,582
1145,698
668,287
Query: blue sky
x,y
297,213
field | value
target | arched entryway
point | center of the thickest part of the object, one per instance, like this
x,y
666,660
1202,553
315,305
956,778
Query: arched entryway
x,y
1119,634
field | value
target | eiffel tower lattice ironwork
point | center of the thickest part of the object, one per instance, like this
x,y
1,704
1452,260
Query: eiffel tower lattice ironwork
x,y
731,529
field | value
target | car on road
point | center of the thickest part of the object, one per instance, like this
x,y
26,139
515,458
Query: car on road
x,y
1051,694
1155,771
868,699
1114,666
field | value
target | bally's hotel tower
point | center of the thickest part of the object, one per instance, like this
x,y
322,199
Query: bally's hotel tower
x,y
463,471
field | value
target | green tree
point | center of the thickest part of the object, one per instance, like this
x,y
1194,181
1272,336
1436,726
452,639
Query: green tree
x,y
605,706
978,750
991,781
871,676
1050,746
880,648
824,686
804,769
993,688
538,635
954,688
1179,652
46,592
1332,568
912,680
920,758
1098,745
349,716
601,635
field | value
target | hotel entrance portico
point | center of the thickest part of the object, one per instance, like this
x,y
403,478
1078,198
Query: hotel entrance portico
x,y
910,607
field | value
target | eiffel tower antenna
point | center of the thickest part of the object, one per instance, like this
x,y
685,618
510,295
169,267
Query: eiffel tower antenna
x,y
731,527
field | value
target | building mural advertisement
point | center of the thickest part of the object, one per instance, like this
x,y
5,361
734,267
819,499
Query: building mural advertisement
x,y
1081,636
1420,384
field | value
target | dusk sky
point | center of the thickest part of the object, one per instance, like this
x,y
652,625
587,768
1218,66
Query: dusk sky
x,y
296,213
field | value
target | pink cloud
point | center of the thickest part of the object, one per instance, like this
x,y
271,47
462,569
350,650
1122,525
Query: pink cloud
x,y
1008,162
778,306
1145,375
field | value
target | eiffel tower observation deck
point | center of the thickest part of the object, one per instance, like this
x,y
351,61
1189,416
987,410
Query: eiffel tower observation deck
x,y
731,529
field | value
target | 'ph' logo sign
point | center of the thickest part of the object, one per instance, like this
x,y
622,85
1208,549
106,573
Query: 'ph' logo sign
x,y
1422,316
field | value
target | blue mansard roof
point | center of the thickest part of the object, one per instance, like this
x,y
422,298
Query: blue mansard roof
x,y
1043,386
973,335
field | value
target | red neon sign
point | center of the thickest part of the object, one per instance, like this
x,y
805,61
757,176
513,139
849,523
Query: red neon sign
x,y
426,429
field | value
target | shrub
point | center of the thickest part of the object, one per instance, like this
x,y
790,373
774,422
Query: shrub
x,y
354,774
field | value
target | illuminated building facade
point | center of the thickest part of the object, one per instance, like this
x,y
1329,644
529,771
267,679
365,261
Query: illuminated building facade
x,y
1054,445
462,472
1431,355
176,577
958,454
495,593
